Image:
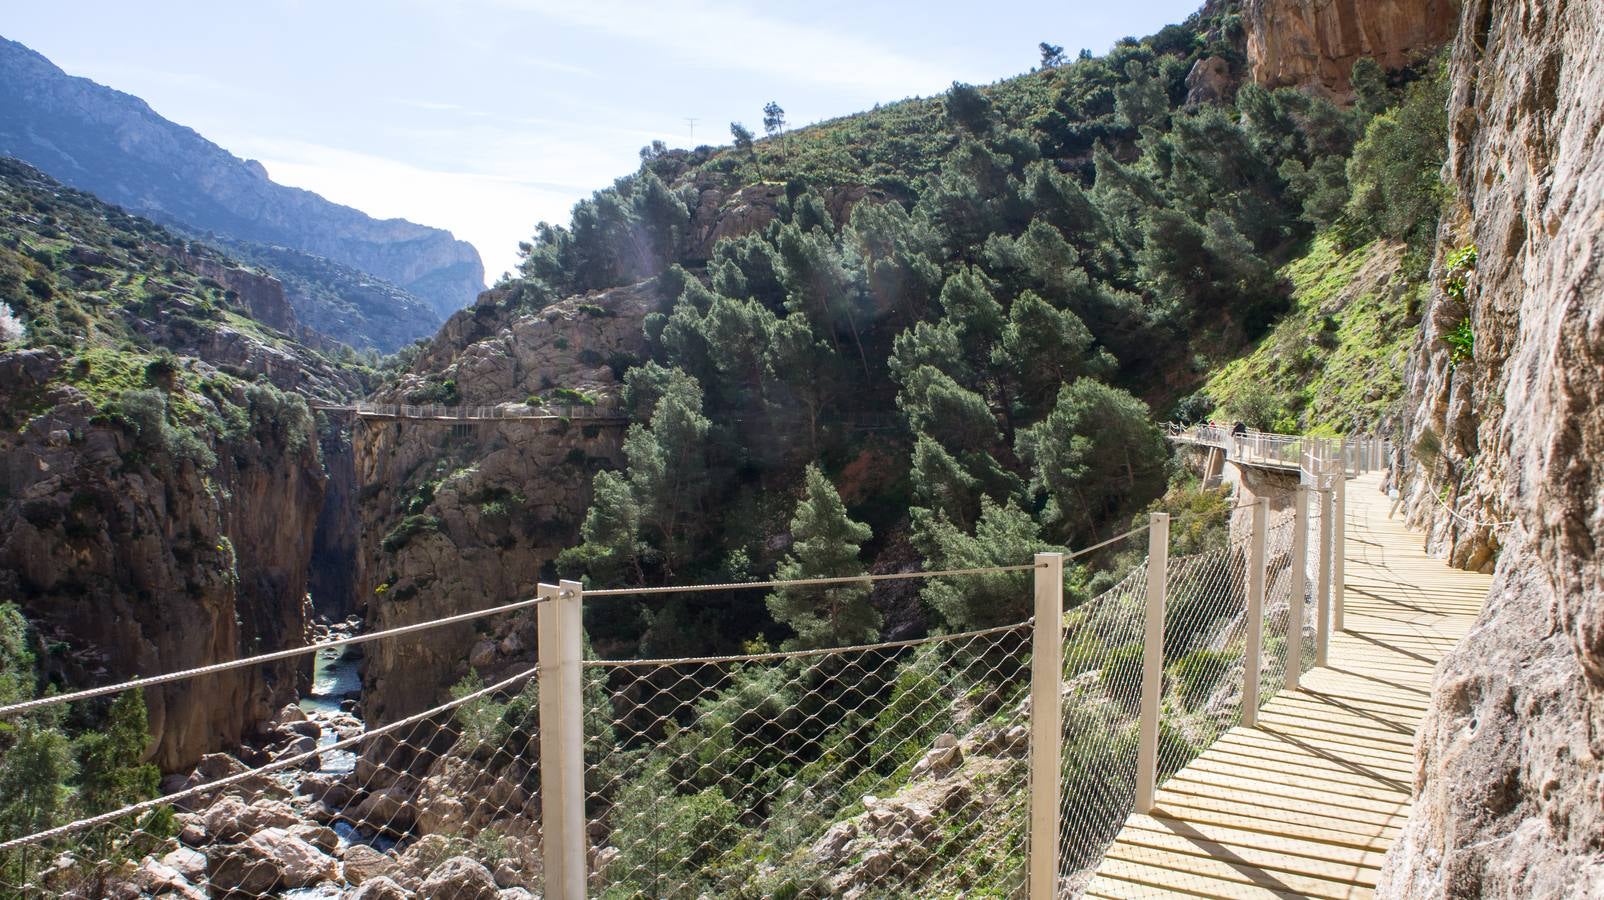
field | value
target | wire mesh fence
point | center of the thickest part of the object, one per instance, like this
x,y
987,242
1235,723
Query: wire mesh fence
x,y
882,770
324,811
900,769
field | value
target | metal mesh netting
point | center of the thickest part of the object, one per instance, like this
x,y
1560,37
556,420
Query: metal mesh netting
x,y
1278,604
885,771
329,807
1204,642
1102,693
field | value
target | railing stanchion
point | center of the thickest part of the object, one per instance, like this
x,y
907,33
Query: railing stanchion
x,y
1158,558
1300,584
1322,604
1251,662
1339,553
562,741
1046,729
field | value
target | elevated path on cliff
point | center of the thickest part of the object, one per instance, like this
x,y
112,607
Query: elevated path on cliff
x,y
1306,802
466,414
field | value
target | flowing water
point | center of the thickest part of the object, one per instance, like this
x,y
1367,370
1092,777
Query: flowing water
x,y
334,677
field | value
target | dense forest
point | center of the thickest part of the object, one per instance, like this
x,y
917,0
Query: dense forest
x,y
971,311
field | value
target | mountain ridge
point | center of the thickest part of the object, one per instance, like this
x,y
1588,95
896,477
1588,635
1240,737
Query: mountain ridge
x,y
113,144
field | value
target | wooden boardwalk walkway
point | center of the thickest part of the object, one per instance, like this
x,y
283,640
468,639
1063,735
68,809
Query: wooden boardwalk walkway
x,y
1307,803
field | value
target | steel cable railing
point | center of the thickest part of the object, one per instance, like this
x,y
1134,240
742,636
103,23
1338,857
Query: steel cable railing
x,y
899,768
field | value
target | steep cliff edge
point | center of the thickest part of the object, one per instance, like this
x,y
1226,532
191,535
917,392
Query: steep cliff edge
x,y
1507,423
458,517
159,475
1313,44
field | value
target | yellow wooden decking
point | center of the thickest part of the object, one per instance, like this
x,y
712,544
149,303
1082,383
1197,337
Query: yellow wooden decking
x,y
1307,803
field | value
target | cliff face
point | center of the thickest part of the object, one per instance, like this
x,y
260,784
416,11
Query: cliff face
x,y
458,517
1314,43
142,560
114,145
1510,784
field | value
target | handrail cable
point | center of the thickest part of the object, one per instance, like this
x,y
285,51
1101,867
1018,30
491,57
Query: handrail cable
x,y
800,654
214,668
284,762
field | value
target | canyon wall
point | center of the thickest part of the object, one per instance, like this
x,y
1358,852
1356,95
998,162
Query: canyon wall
x,y
132,559
464,516
1502,467
1313,44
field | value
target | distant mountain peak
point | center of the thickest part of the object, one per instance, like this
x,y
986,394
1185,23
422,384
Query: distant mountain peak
x,y
114,145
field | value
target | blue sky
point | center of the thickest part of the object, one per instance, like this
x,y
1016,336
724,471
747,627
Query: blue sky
x,y
486,116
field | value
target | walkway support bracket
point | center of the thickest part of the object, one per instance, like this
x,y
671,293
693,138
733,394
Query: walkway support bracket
x,y
1252,660
1158,559
562,740
1046,727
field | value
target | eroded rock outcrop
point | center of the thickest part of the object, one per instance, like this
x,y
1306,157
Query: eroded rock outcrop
x,y
1313,44
1510,783
143,558
457,517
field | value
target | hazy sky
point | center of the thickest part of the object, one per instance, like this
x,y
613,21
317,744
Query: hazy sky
x,y
486,116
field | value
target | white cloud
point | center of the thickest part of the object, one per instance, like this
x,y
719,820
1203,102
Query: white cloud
x,y
724,35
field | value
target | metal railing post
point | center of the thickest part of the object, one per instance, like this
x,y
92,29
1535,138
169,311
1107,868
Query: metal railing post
x,y
562,740
1300,584
1158,560
1322,603
1255,631
1339,554
1046,729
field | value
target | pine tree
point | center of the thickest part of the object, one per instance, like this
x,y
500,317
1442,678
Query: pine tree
x,y
111,760
825,542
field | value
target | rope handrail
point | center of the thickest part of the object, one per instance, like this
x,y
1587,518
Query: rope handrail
x,y
646,591
1474,523
289,653
284,762
214,668
802,654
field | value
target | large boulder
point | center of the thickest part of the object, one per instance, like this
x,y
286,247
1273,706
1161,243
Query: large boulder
x,y
380,888
230,819
299,863
459,878
360,863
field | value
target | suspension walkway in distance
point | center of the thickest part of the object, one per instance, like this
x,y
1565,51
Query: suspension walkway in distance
x,y
1306,803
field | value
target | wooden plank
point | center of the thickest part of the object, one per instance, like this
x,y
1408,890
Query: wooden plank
x,y
1268,800
1307,804
1296,851
1274,820
1183,868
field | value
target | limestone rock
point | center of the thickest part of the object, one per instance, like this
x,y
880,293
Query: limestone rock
x,y
459,878
1509,794
360,863
230,819
1210,81
299,863
381,888
1313,44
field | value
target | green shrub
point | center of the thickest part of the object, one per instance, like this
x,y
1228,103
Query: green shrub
x,y
409,527
1461,340
1198,673
573,397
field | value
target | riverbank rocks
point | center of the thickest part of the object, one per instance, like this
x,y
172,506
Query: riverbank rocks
x,y
360,863
381,888
459,878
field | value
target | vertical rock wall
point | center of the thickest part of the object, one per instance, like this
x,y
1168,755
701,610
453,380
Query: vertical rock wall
x,y
1510,783
1313,44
